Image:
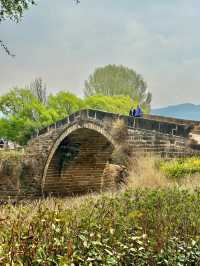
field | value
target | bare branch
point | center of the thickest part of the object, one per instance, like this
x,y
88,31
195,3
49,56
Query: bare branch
x,y
4,46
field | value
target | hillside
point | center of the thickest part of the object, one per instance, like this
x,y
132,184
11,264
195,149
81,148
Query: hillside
x,y
183,111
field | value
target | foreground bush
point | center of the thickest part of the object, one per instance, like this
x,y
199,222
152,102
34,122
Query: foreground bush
x,y
134,227
181,167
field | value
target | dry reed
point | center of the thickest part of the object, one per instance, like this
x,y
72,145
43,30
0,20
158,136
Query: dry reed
x,y
145,173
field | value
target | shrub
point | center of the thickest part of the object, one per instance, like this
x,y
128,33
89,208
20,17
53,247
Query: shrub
x,y
134,227
181,167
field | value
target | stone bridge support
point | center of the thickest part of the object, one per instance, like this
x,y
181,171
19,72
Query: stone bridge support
x,y
59,171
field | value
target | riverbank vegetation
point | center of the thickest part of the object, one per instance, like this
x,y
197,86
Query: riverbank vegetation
x,y
152,220
131,227
152,171
179,168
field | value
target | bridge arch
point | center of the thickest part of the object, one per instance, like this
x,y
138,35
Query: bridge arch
x,y
92,146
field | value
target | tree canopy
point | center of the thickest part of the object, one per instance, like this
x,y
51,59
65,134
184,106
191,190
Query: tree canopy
x,y
113,104
112,88
14,9
113,80
64,103
22,112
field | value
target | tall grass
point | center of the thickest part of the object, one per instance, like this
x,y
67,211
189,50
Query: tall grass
x,y
152,172
144,173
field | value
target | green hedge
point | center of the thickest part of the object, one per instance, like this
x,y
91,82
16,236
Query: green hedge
x,y
135,227
181,167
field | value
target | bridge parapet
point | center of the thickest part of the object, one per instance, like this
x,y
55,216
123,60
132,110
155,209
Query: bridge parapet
x,y
163,125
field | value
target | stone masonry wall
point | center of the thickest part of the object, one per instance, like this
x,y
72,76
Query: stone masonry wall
x,y
93,131
85,172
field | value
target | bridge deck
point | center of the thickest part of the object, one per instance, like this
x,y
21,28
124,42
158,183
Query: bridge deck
x,y
166,125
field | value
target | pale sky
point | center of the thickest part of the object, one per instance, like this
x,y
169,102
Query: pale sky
x,y
63,43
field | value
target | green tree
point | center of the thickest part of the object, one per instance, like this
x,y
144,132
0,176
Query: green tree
x,y
114,104
14,9
23,113
64,103
113,80
18,130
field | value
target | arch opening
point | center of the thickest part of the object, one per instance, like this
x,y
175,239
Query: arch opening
x,y
78,164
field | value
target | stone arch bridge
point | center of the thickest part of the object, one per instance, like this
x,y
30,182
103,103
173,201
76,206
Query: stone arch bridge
x,y
70,156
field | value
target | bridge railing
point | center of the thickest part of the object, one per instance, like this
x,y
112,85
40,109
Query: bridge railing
x,y
147,122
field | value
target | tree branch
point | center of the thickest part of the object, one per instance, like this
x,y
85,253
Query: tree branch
x,y
4,46
13,10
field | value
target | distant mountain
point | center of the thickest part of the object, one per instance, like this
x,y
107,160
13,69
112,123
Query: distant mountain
x,y
184,111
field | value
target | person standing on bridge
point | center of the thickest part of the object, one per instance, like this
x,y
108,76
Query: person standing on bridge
x,y
138,112
132,111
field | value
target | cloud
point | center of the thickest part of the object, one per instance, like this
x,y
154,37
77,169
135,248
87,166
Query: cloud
x,y
63,43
